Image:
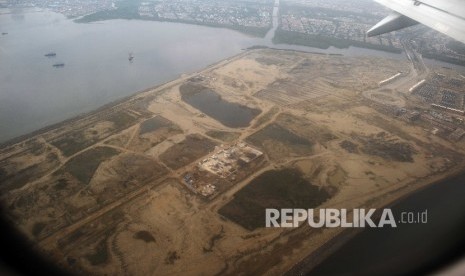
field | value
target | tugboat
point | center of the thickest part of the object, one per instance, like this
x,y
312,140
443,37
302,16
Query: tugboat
x,y
131,57
51,54
57,65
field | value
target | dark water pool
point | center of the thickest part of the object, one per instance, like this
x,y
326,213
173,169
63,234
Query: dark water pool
x,y
209,102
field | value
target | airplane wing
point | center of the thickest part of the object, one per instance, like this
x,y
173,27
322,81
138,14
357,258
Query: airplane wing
x,y
445,16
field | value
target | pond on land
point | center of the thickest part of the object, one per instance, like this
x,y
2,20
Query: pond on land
x,y
209,102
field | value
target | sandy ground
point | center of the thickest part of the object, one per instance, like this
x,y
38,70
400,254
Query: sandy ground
x,y
96,226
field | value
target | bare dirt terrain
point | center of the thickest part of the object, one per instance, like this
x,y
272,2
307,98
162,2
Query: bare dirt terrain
x,y
117,191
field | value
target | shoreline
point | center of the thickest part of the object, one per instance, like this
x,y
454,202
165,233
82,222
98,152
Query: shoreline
x,y
329,248
72,118
115,103
164,99
40,131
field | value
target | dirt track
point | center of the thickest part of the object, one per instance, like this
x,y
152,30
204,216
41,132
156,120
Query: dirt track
x,y
317,101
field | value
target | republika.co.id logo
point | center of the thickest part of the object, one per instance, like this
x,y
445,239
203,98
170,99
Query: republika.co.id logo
x,y
331,218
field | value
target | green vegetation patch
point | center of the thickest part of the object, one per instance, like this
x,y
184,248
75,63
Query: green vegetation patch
x,y
125,9
76,140
129,9
122,120
278,189
14,176
278,133
84,165
73,142
388,148
20,178
223,135
349,146
187,151
274,137
154,124
305,128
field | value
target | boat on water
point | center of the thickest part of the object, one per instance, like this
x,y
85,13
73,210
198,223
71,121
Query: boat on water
x,y
58,65
4,33
51,54
131,57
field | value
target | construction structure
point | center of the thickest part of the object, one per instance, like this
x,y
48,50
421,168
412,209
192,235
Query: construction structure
x,y
227,159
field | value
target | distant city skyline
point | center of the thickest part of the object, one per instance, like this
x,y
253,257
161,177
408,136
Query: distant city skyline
x,y
344,22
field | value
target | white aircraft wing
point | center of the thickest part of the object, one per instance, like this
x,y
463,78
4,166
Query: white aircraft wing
x,y
445,16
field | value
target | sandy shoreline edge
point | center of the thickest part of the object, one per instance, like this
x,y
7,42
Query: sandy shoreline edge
x,y
335,240
320,254
115,103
